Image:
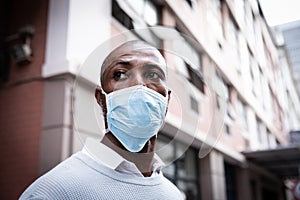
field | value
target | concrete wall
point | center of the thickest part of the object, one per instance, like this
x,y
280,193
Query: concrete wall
x,y
74,30
212,177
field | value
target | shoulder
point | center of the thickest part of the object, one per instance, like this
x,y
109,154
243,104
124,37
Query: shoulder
x,y
171,190
63,181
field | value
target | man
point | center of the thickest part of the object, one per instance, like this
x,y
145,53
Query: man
x,y
134,99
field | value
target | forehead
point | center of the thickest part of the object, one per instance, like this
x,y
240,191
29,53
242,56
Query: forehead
x,y
136,51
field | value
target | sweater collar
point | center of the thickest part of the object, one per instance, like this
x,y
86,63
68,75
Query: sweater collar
x,y
104,155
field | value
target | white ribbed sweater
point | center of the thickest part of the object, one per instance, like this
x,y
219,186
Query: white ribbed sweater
x,y
80,177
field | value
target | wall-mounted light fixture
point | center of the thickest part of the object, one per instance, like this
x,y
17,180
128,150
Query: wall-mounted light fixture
x,y
19,44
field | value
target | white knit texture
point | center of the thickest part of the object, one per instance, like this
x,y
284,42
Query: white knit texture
x,y
80,177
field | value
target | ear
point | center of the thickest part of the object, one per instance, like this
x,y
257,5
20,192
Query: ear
x,y
101,98
169,97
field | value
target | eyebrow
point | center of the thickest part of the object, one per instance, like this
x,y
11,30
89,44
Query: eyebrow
x,y
129,65
123,63
115,64
120,63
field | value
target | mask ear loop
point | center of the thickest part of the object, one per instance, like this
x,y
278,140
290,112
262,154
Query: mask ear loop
x,y
105,131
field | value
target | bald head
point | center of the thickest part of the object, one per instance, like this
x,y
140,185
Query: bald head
x,y
133,48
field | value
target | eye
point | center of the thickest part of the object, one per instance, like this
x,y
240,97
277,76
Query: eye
x,y
153,75
119,75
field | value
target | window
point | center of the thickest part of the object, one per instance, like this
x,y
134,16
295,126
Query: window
x,y
229,112
254,190
227,129
271,139
137,15
231,35
192,57
262,134
4,50
145,9
249,17
240,9
121,15
255,31
192,74
195,78
194,104
230,177
136,12
261,89
150,15
214,17
190,65
223,93
233,38
4,63
189,2
259,134
253,73
242,113
218,102
183,172
221,102
228,92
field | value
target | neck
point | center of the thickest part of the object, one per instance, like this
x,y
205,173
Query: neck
x,y
142,159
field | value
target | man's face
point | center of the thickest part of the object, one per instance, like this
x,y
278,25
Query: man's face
x,y
134,64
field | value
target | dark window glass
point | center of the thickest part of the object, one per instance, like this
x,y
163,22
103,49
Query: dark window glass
x,y
184,171
195,77
194,104
4,54
121,16
230,178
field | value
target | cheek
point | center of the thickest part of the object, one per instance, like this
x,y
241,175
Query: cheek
x,y
160,89
120,85
112,85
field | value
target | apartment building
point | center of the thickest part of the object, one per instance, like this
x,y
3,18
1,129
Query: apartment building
x,y
285,37
290,35
227,130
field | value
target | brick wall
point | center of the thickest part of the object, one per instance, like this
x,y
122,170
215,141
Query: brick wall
x,y
21,100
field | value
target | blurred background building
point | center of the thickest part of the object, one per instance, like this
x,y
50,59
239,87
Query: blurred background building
x,y
287,39
291,37
45,107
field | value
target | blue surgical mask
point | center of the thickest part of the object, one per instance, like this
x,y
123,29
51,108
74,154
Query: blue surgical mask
x,y
134,115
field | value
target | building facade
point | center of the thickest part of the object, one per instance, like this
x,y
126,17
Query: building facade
x,y
230,94
290,34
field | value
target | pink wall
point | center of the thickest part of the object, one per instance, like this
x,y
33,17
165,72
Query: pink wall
x,y
21,103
